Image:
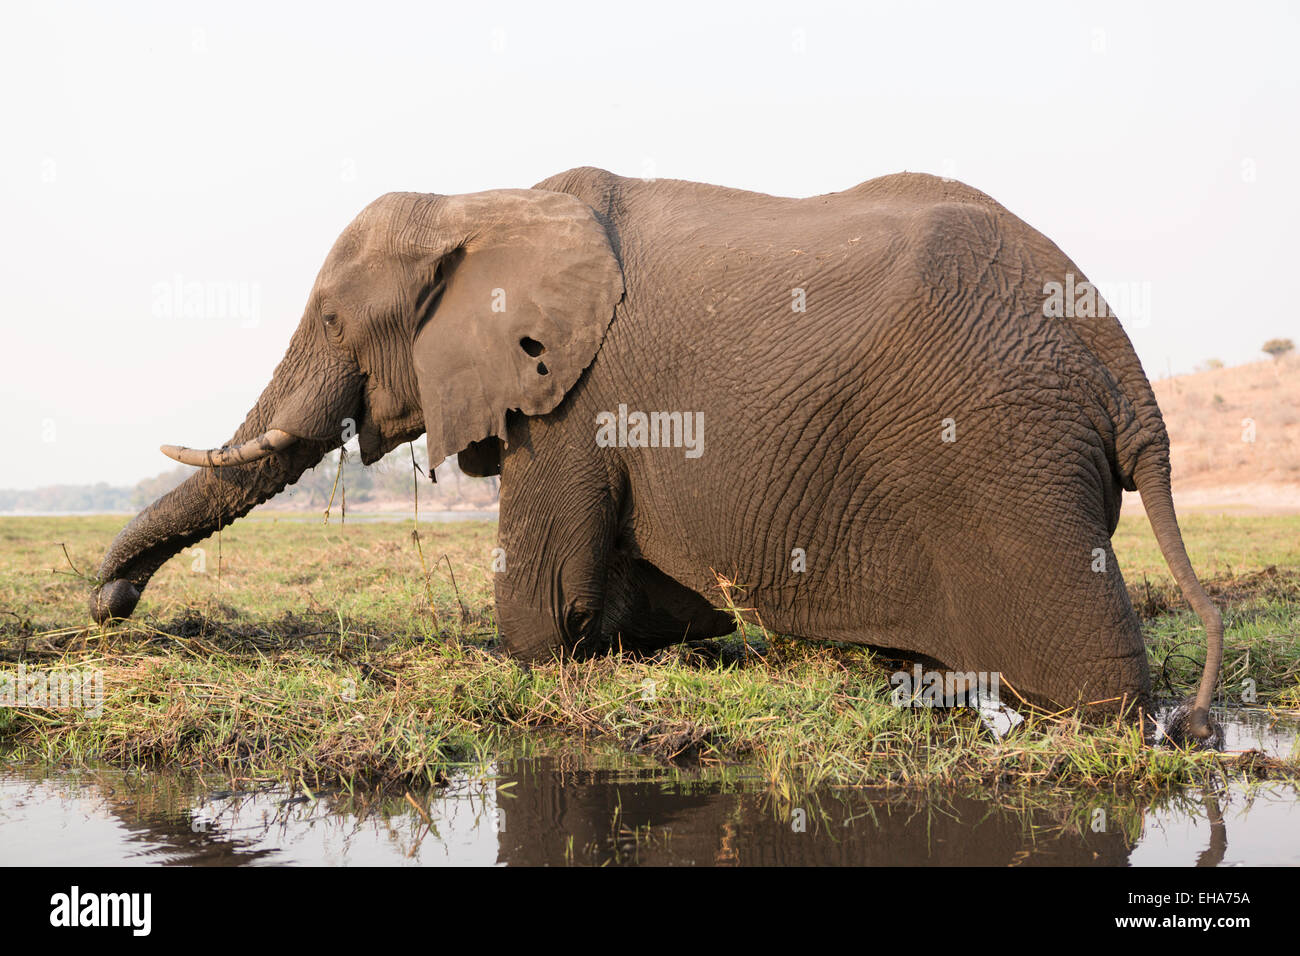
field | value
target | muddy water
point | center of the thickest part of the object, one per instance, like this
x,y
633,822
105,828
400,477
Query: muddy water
x,y
584,809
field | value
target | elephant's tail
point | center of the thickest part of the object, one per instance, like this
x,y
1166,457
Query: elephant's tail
x,y
1152,479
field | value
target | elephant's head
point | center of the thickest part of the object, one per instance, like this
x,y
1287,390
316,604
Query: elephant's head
x,y
432,314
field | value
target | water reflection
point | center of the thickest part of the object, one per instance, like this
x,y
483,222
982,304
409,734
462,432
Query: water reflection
x,y
590,807
588,818
546,812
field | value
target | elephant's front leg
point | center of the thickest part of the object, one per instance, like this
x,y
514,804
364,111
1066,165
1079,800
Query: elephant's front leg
x,y
646,610
558,514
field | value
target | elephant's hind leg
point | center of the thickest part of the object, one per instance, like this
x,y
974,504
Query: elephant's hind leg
x,y
1046,607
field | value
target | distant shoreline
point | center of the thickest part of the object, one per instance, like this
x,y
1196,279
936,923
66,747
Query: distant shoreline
x,y
433,514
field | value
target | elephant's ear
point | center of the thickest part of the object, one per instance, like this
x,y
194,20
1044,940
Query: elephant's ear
x,y
525,288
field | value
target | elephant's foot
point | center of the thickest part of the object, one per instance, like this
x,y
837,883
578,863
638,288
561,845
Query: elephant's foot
x,y
115,599
646,610
536,634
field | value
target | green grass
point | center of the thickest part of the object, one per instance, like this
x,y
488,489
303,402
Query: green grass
x,y
1251,567
314,656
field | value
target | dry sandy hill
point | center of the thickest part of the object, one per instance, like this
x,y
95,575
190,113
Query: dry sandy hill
x,y
1235,436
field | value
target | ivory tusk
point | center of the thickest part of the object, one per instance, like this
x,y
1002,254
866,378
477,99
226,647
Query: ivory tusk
x,y
254,449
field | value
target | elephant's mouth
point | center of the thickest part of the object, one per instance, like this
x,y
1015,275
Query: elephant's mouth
x,y
373,446
377,435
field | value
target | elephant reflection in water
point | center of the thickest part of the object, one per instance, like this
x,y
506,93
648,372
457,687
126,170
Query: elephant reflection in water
x,y
543,816
585,818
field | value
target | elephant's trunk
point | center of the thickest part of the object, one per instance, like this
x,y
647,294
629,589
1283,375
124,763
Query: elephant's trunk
x,y
213,497
204,503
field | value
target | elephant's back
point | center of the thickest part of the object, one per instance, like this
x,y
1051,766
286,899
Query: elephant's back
x,y
905,264
604,190
897,300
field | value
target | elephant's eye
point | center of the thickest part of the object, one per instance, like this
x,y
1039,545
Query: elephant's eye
x,y
331,319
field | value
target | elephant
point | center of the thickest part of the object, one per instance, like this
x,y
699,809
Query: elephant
x,y
866,410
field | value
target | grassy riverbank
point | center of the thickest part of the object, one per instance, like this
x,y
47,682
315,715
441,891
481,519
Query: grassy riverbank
x,y
316,653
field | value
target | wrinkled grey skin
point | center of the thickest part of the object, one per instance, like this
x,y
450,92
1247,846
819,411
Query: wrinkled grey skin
x,y
824,428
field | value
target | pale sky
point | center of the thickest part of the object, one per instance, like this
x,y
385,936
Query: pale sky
x,y
151,146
